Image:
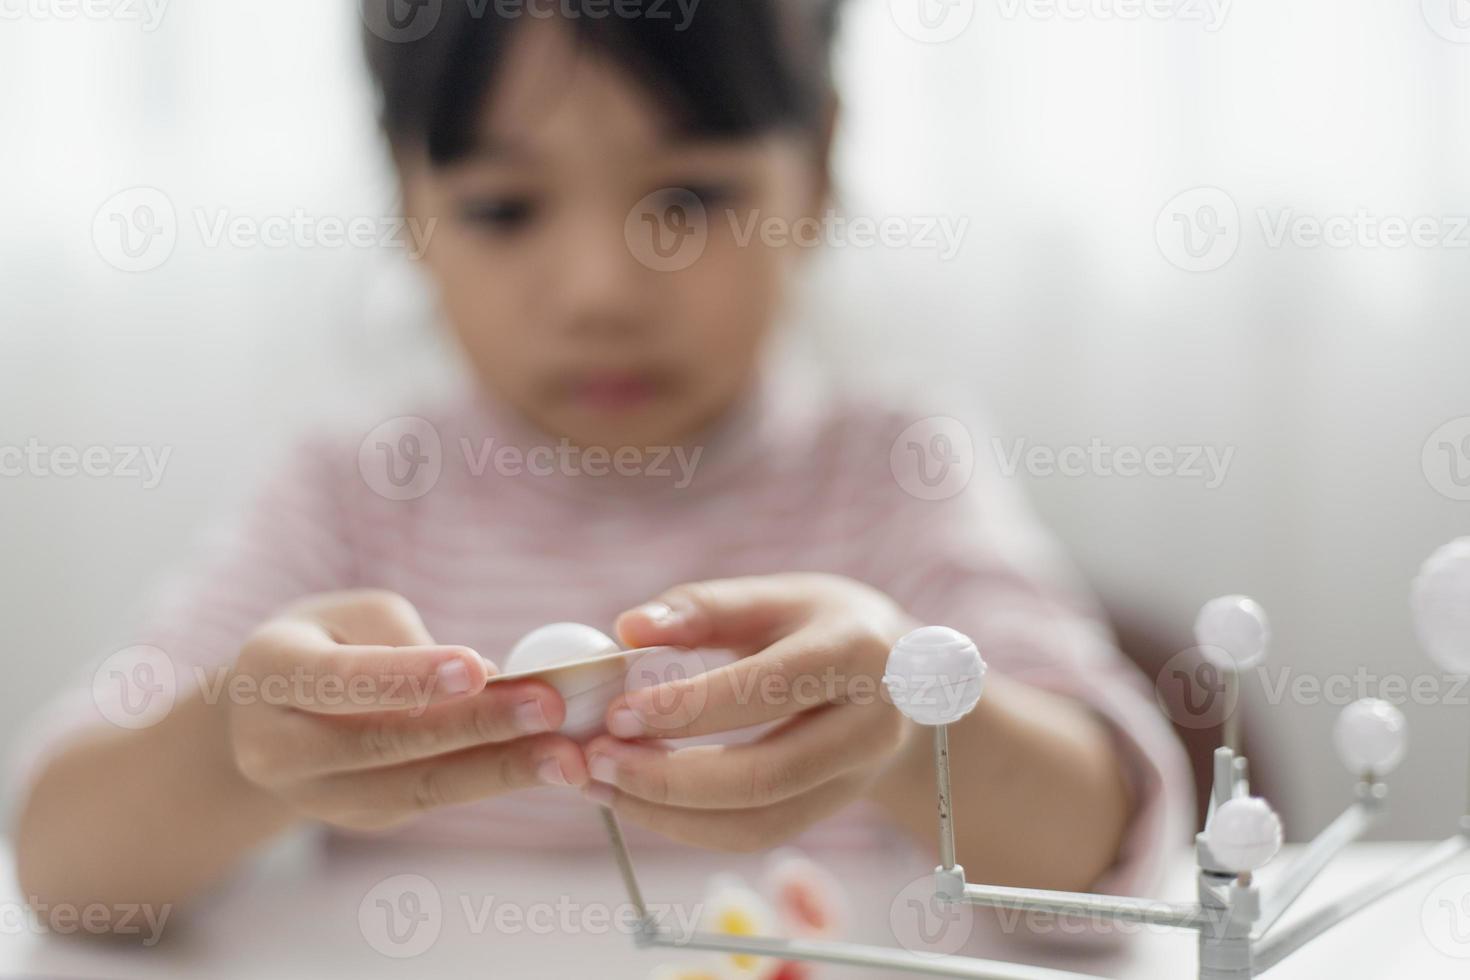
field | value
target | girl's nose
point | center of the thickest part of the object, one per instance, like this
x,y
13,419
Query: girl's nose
x,y
602,289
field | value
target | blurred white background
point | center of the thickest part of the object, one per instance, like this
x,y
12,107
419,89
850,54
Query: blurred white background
x,y
1062,132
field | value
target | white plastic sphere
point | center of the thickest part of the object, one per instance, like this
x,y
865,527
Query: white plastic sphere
x,y
1440,599
557,643
1245,834
1232,632
1372,737
935,675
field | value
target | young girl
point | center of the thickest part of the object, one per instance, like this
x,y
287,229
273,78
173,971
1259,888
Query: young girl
x,y
331,655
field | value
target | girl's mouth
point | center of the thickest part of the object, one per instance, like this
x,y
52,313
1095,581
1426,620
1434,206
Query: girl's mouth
x,y
613,392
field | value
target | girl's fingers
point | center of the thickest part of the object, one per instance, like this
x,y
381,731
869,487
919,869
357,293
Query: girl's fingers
x,y
816,665
733,830
735,613
789,761
460,777
297,663
300,745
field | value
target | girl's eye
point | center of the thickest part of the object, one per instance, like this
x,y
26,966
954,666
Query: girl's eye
x,y
499,214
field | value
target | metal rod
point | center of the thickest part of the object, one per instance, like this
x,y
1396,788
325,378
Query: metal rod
x,y
1286,889
1242,776
1114,907
853,954
941,774
1222,788
1277,947
625,863
1231,724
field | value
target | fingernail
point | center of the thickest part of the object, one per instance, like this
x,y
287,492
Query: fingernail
x,y
603,769
551,773
658,613
599,794
531,717
623,723
454,677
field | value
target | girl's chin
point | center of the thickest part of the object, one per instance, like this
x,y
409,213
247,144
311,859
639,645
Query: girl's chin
x,y
644,426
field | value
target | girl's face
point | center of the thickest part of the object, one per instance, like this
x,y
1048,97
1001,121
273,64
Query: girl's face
x,y
545,265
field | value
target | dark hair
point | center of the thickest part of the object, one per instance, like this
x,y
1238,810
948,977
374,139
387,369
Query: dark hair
x,y
719,68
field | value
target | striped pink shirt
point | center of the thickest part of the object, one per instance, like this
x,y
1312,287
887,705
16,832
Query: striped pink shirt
x,y
494,539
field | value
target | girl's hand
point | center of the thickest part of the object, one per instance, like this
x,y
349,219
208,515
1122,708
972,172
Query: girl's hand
x,y
347,710
813,648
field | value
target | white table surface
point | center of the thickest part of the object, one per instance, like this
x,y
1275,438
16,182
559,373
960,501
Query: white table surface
x,y
304,910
